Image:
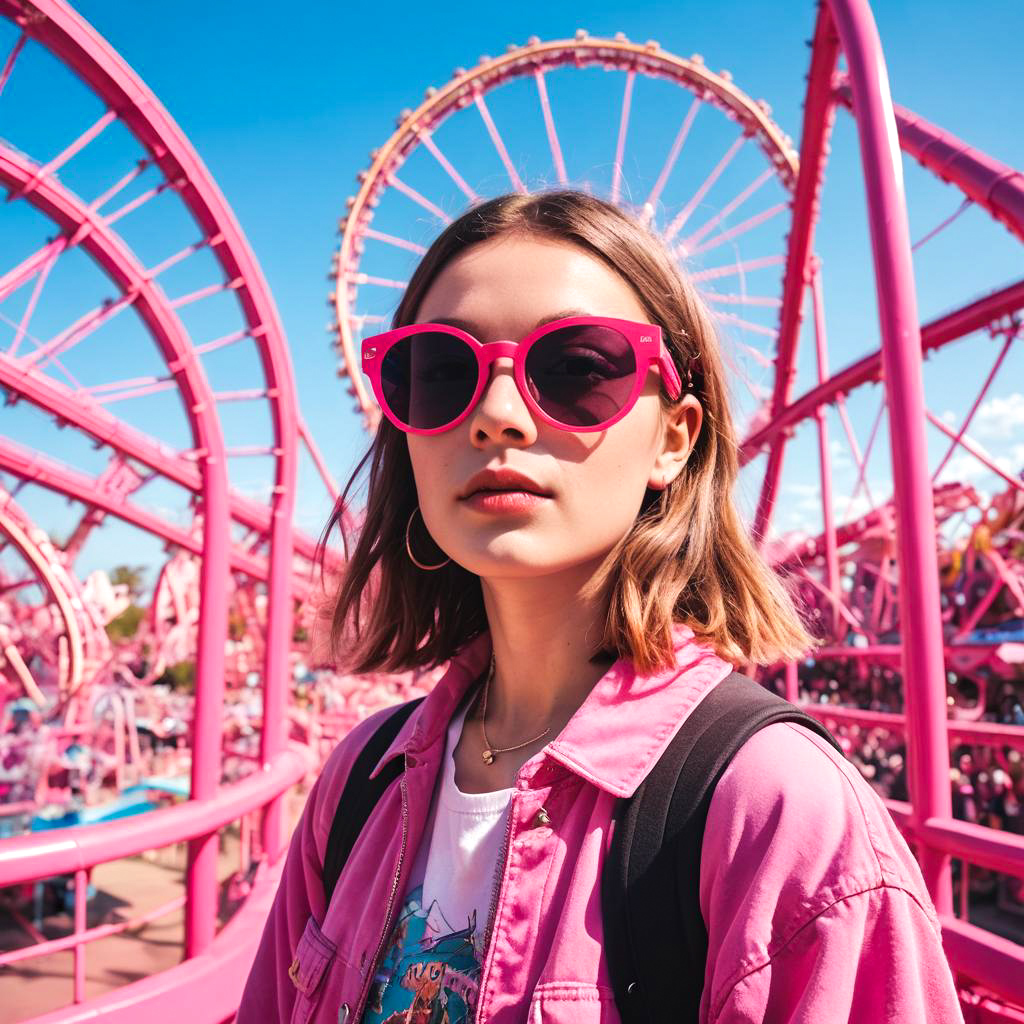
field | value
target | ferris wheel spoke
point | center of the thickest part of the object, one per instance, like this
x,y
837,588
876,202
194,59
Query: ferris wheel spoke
x,y
549,127
499,145
400,243
620,145
974,407
684,215
747,325
734,204
740,267
416,197
734,232
670,161
384,282
758,356
12,58
727,299
359,320
427,139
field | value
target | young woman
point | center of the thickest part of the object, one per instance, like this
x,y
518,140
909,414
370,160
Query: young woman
x,y
550,512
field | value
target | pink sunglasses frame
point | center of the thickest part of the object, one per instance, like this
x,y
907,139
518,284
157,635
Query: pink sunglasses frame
x,y
646,340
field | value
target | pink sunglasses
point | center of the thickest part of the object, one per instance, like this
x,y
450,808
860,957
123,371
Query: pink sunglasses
x,y
581,373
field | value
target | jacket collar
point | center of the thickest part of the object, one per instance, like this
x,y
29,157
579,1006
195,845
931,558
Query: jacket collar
x,y
616,735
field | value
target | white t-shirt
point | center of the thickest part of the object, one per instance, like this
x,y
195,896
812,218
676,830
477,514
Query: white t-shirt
x,y
435,952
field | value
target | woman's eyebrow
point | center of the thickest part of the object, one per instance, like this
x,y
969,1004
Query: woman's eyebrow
x,y
470,328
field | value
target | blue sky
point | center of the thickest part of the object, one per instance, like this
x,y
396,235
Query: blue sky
x,y
284,106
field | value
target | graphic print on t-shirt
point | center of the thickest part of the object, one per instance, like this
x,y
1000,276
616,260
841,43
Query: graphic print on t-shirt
x,y
430,972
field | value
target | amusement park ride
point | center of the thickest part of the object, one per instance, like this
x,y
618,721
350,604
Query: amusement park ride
x,y
147,380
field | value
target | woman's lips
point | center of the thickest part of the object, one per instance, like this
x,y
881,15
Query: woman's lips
x,y
504,501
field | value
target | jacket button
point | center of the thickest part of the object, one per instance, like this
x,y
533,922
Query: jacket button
x,y
631,989
540,819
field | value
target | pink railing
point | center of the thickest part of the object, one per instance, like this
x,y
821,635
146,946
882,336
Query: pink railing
x,y
76,851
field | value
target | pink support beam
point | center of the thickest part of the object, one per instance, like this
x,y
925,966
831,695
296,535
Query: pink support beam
x,y
817,126
991,184
824,455
923,665
98,65
970,446
1010,338
934,335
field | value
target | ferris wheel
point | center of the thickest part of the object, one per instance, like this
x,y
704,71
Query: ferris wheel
x,y
684,134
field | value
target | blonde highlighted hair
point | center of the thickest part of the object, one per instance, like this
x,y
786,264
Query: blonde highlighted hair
x,y
687,557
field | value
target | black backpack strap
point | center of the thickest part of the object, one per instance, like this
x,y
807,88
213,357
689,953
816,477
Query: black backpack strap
x,y
361,794
656,941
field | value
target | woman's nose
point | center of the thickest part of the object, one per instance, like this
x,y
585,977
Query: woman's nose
x,y
501,413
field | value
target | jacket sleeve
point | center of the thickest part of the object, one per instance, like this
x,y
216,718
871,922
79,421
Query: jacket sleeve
x,y
815,906
870,957
300,893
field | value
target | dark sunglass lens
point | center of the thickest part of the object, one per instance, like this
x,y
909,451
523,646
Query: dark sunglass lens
x,y
428,379
582,375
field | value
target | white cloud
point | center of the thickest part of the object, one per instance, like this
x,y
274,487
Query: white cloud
x,y
1001,417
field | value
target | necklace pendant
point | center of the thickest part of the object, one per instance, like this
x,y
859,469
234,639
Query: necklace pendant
x,y
488,757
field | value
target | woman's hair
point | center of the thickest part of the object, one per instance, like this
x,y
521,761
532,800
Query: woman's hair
x,y
687,557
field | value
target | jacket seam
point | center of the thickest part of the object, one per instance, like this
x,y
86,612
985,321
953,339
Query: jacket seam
x,y
782,948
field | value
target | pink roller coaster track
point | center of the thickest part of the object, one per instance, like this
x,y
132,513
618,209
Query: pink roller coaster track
x,y
236,537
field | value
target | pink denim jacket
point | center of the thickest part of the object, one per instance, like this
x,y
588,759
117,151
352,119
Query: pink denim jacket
x,y
815,907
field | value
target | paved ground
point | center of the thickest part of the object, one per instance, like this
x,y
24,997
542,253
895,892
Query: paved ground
x,y
125,889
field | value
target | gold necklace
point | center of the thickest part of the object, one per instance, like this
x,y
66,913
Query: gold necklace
x,y
490,753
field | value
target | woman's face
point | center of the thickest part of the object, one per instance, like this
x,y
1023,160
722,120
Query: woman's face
x,y
595,482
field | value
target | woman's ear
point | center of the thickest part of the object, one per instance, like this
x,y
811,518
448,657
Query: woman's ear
x,y
682,423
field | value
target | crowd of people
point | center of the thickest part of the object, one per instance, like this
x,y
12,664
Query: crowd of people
x,y
986,780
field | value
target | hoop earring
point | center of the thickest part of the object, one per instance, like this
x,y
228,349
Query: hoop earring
x,y
412,557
